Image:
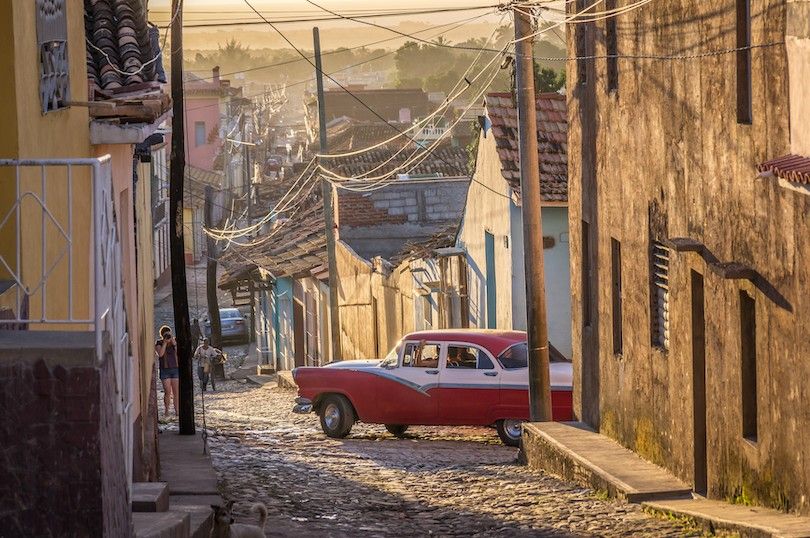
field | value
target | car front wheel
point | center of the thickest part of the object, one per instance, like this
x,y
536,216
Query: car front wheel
x,y
337,416
397,430
509,430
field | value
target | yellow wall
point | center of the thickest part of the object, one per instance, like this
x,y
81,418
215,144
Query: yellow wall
x,y
27,133
145,270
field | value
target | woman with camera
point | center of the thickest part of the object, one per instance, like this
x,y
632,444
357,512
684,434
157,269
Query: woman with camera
x,y
166,350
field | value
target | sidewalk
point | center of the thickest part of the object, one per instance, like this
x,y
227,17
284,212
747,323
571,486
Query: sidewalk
x,y
576,453
190,477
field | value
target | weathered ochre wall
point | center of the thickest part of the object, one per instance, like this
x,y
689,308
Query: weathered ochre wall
x,y
27,133
669,136
366,332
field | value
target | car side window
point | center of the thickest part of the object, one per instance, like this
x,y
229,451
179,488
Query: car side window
x,y
468,357
421,355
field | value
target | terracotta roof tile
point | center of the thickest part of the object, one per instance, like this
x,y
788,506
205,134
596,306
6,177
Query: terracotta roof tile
x,y
791,167
552,137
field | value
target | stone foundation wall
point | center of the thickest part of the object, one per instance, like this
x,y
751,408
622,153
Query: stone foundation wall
x,y
61,458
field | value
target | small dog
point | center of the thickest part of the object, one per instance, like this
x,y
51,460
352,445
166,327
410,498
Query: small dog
x,y
224,527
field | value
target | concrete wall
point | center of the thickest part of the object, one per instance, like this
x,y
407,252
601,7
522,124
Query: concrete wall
x,y
381,222
669,138
63,461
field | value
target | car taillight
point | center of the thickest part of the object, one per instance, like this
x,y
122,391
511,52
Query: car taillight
x,y
240,322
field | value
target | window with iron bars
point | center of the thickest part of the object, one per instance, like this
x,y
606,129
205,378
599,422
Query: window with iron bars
x,y
659,284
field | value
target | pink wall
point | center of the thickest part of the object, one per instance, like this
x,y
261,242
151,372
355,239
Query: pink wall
x,y
202,109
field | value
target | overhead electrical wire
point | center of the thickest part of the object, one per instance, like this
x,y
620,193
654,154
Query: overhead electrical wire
x,y
341,86
336,16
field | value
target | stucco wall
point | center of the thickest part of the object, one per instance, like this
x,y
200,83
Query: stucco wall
x,y
488,210
27,133
206,110
670,137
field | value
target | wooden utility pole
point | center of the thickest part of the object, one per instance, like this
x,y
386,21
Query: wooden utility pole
x,y
539,382
328,209
211,272
182,329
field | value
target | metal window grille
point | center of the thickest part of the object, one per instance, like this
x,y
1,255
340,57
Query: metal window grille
x,y
659,273
54,82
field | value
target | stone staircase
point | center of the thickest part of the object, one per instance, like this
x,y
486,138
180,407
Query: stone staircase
x,y
156,514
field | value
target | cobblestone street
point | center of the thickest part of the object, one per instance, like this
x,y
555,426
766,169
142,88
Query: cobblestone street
x,y
438,481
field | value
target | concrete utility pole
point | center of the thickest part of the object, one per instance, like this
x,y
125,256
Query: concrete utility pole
x,y
211,272
539,383
182,329
328,209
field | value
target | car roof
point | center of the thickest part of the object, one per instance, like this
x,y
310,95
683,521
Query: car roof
x,y
493,339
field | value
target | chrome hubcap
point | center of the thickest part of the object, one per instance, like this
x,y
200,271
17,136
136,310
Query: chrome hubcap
x,y
331,416
513,428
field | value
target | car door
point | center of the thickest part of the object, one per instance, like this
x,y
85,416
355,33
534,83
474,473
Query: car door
x,y
407,394
469,385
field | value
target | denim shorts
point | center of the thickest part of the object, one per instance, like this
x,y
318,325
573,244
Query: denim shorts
x,y
169,373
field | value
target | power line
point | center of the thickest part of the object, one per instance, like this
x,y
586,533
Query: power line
x,y
337,16
356,47
368,23
341,86
457,24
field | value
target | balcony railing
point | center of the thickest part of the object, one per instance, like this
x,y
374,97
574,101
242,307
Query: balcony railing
x,y
60,259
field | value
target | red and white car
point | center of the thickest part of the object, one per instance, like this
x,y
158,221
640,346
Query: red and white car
x,y
446,377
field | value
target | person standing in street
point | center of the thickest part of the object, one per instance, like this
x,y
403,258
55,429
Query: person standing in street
x,y
206,356
166,350
196,332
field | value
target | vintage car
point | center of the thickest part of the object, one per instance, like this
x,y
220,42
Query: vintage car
x,y
443,377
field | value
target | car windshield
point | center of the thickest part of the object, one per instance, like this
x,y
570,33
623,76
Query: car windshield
x,y
392,357
230,313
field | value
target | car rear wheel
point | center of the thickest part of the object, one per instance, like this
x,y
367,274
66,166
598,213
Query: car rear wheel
x,y
509,430
337,416
397,430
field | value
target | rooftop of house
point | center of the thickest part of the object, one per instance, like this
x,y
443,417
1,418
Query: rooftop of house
x,y
552,138
448,158
196,180
407,220
124,63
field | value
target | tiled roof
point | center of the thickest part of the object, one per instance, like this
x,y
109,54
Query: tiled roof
x,y
297,247
196,181
552,138
446,159
120,40
425,248
793,168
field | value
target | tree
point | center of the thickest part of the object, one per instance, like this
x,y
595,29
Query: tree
x,y
547,79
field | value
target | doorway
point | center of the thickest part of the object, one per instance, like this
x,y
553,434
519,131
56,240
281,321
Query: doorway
x,y
298,333
699,382
492,295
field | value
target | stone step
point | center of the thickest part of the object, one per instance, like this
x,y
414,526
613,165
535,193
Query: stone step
x,y
260,379
201,518
285,380
578,454
150,497
265,369
161,524
745,521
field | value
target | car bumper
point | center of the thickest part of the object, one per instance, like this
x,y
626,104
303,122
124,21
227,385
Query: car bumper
x,y
302,406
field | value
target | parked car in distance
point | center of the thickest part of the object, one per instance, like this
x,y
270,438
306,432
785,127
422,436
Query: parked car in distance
x,y
235,327
443,377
